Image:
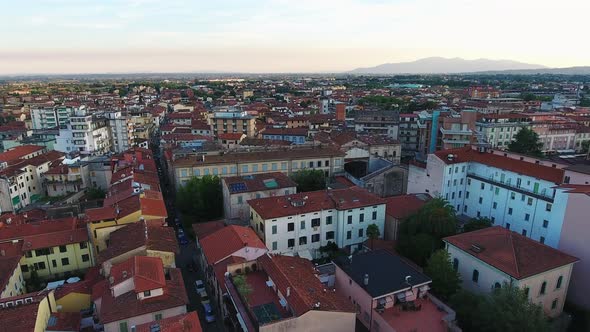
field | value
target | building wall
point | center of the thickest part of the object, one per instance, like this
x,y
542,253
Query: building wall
x,y
74,302
146,318
236,205
314,321
54,266
44,312
489,276
15,285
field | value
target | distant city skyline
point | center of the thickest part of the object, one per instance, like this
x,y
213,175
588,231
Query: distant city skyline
x,y
127,36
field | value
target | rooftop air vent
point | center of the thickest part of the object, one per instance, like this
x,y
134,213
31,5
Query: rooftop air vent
x,y
477,248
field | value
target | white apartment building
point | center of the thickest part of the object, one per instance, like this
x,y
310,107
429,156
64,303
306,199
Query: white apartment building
x,y
302,223
86,133
498,130
50,117
121,131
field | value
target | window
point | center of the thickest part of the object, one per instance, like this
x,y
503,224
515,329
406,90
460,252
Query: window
x,y
460,192
545,223
303,240
510,211
349,235
349,220
554,304
483,186
65,261
468,182
559,281
302,224
83,245
524,232
455,182
526,291
85,258
329,235
507,225
497,285
548,207
467,194
315,238
362,217
455,264
158,317
361,232
329,220
274,229
542,240
497,191
475,276
274,245
480,200
315,222
291,243
147,293
54,262
24,268
527,217
529,201
512,195
290,227
494,205
543,288
123,327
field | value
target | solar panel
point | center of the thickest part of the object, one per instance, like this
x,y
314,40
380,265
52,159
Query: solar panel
x,y
237,187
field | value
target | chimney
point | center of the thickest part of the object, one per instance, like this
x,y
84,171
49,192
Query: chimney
x,y
366,280
288,291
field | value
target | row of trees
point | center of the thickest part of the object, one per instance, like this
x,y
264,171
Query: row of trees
x,y
201,199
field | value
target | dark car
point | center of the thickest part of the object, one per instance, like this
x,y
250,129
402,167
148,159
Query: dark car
x,y
209,315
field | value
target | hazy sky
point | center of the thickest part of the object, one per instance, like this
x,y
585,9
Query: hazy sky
x,y
83,36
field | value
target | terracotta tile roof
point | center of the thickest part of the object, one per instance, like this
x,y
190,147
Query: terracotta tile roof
x,y
228,240
188,322
44,234
128,305
400,207
285,131
21,318
510,252
257,182
340,199
7,267
206,228
64,321
279,154
230,136
54,239
468,154
147,273
47,157
19,152
153,207
576,188
100,214
149,233
306,289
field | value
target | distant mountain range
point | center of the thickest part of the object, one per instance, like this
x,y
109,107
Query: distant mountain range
x,y
438,65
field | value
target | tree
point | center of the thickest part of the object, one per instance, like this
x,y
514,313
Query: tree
x,y
477,223
373,233
445,280
526,141
507,309
585,146
34,282
422,232
309,180
201,198
240,281
95,193
584,102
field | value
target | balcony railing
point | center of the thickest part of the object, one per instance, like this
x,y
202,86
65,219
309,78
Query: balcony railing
x,y
455,131
506,185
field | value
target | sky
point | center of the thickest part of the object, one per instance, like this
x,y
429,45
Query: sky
x,y
125,36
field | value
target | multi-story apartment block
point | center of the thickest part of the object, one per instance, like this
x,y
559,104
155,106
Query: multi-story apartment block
x,y
540,199
302,223
121,131
446,129
409,134
232,121
377,122
86,133
295,135
62,180
238,190
498,130
287,161
49,117
555,136
489,258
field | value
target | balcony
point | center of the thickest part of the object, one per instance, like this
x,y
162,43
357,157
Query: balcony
x,y
502,184
456,141
466,132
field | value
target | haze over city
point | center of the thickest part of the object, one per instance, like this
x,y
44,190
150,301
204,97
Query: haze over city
x,y
66,36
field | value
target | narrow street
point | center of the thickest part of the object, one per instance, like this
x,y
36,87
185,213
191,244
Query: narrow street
x,y
188,252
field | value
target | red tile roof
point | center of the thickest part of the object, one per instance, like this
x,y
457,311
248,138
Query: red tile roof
x,y
230,136
400,207
206,228
44,234
340,199
19,152
7,267
64,321
510,252
306,289
258,182
226,241
468,154
128,305
149,233
188,322
147,273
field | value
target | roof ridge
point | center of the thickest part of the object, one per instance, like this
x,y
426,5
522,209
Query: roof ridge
x,y
514,252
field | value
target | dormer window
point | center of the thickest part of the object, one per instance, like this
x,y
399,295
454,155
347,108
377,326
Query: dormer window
x,y
147,293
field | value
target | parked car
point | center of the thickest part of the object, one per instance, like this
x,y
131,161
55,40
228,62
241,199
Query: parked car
x,y
209,315
180,233
183,240
204,297
200,286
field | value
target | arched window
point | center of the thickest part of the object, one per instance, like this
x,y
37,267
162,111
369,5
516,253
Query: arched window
x,y
475,276
455,264
543,287
497,285
559,281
